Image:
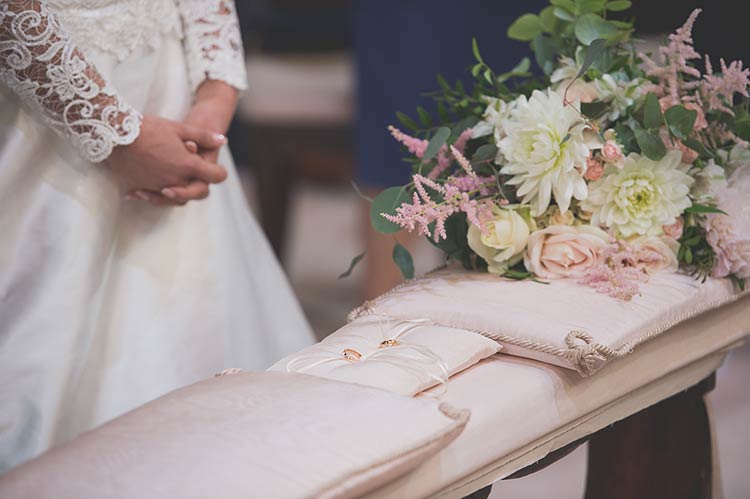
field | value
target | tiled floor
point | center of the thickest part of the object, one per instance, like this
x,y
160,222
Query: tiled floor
x,y
323,238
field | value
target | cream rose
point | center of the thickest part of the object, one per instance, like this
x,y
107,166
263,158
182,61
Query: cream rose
x,y
662,250
564,251
502,240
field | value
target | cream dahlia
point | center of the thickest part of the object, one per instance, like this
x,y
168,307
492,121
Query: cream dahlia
x,y
546,151
641,197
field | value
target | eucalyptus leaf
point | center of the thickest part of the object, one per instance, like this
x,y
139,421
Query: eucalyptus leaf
x,y
403,260
568,5
545,52
698,147
651,145
485,153
589,6
563,14
548,20
652,116
436,142
526,28
352,265
594,109
680,120
619,5
592,52
387,202
589,27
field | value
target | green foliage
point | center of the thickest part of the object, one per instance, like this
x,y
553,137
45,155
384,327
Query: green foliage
x,y
387,202
695,253
703,208
590,27
558,29
436,142
526,28
403,260
355,261
653,118
680,121
456,246
650,144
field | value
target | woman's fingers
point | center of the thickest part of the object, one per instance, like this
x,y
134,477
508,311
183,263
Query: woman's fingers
x,y
203,138
210,173
195,190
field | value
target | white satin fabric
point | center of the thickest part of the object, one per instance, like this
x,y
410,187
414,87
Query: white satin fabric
x,y
561,323
403,357
258,435
107,304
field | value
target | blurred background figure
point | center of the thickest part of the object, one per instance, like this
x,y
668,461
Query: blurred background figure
x,y
326,78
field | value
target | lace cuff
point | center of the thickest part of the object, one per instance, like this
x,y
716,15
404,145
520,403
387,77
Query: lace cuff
x,y
40,63
213,42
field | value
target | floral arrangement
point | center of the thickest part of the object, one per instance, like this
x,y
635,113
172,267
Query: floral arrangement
x,y
609,166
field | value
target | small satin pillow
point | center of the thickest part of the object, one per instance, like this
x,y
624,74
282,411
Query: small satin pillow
x,y
267,435
400,356
561,323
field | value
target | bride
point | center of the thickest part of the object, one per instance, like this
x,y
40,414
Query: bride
x,y
113,114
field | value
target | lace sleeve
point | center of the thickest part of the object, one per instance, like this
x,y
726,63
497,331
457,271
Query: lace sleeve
x,y
44,67
213,42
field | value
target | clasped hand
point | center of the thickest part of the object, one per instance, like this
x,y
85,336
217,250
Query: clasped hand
x,y
172,163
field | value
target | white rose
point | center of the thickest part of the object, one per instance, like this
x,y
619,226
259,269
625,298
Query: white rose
x,y
563,251
502,240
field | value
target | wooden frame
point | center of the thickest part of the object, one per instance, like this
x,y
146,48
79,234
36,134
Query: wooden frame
x,y
661,452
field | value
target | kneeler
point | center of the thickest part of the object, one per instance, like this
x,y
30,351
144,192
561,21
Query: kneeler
x,y
642,413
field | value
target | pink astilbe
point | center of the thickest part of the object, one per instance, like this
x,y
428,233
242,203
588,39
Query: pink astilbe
x,y
719,89
423,210
620,269
676,55
415,146
481,184
444,159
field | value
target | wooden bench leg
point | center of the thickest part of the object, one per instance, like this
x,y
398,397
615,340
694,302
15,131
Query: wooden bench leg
x,y
662,452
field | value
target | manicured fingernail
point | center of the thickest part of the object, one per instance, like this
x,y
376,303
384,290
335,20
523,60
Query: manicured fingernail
x,y
168,193
220,138
130,197
191,146
142,196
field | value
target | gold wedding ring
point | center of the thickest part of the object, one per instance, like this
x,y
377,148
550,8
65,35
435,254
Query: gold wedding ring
x,y
388,343
351,355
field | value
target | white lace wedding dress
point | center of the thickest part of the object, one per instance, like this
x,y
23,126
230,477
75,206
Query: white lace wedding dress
x,y
105,304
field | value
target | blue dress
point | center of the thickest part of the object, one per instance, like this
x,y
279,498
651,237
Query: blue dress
x,y
401,46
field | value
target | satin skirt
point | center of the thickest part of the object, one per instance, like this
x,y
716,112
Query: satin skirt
x,y
106,304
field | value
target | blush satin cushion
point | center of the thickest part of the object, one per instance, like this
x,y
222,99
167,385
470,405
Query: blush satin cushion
x,y
561,323
404,357
267,435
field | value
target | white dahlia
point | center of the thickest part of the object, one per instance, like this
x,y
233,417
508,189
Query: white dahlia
x,y
641,197
546,151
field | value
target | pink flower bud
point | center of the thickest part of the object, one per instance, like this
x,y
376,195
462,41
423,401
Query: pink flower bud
x,y
594,169
612,152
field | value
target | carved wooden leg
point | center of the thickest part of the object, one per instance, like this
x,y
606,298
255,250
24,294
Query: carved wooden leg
x,y
662,452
